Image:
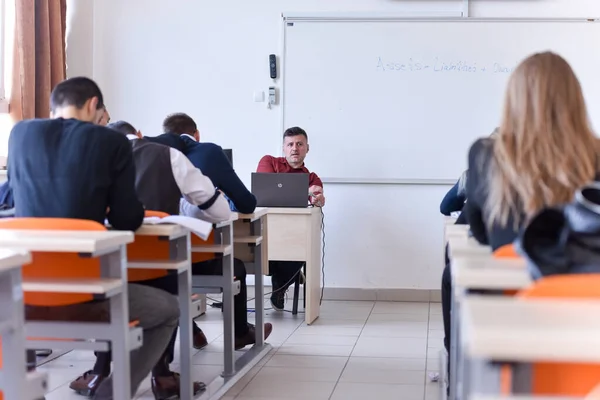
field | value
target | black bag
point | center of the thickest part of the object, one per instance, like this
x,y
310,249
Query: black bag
x,y
564,240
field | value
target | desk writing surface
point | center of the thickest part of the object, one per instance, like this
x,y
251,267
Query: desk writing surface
x,y
172,231
293,210
529,330
259,212
466,245
64,241
232,218
489,273
10,259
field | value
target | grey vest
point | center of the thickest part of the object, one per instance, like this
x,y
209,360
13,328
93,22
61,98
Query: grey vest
x,y
154,181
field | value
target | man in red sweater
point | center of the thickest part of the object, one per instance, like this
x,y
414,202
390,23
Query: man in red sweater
x,y
295,148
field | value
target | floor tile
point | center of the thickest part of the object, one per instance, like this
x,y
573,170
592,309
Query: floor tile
x,y
390,347
315,350
298,361
361,391
322,340
267,388
391,307
400,371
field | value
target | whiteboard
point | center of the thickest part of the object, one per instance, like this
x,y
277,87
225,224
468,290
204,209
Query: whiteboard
x,y
403,100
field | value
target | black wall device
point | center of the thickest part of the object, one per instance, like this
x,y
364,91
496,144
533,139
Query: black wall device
x,y
273,66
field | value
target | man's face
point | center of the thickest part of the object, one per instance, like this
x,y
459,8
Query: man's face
x,y
295,149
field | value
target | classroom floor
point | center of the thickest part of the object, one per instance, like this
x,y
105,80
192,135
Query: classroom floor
x,y
355,350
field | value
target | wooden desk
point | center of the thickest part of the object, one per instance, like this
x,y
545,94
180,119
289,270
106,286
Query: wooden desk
x,y
294,234
474,268
523,331
110,247
459,244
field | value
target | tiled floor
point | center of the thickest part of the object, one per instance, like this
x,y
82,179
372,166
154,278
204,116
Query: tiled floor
x,y
355,350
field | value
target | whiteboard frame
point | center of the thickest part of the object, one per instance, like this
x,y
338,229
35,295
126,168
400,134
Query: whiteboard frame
x,y
381,17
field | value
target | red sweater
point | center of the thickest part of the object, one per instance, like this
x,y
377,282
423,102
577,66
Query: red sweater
x,y
280,165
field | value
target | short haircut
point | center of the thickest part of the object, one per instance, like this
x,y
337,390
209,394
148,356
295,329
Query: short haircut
x,y
295,131
180,124
75,92
123,126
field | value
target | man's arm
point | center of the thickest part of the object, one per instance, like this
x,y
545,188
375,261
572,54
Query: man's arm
x,y
197,189
228,181
316,190
265,165
126,212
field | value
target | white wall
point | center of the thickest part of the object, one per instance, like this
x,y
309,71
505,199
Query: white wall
x,y
153,57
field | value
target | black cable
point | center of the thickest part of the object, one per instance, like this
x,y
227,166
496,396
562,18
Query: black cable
x,y
322,257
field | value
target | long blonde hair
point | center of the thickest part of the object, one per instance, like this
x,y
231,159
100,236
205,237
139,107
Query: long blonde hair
x,y
545,148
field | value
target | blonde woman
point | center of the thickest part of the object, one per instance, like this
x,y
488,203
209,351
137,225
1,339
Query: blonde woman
x,y
543,151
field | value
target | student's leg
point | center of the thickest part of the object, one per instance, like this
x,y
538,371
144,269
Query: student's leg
x,y
170,284
165,383
244,332
282,276
156,311
446,304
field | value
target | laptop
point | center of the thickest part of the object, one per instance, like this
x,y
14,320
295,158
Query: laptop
x,y
280,190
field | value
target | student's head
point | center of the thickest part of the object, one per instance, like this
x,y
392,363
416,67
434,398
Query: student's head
x,y
295,146
181,124
105,119
125,128
545,148
78,98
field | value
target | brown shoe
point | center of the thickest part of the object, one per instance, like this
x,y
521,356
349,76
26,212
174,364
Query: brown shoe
x,y
87,383
200,340
249,337
167,387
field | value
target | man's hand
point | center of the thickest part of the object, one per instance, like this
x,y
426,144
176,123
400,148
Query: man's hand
x,y
316,196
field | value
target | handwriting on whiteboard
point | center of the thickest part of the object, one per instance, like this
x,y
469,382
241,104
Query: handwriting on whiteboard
x,y
439,65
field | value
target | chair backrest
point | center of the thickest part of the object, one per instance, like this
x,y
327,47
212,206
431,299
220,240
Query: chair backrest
x,y
148,248
506,251
565,379
56,265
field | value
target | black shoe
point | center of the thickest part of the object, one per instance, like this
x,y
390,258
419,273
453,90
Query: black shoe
x,y
278,295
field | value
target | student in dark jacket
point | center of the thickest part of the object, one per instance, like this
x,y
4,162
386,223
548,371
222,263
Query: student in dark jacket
x,y
181,132
545,150
455,199
68,167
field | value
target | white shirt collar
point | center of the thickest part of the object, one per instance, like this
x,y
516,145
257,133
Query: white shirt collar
x,y
190,136
132,137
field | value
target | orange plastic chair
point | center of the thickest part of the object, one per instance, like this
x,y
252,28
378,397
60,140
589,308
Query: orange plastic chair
x,y
564,379
56,265
506,251
152,248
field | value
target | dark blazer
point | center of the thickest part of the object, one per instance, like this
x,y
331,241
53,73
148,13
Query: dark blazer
x,y
213,162
67,168
480,156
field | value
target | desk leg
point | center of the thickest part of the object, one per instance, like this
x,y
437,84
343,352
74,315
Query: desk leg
x,y
313,271
481,377
13,342
259,290
114,265
228,317
454,343
181,249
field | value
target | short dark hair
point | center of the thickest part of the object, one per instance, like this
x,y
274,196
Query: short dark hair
x,y
295,131
180,124
123,126
75,92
